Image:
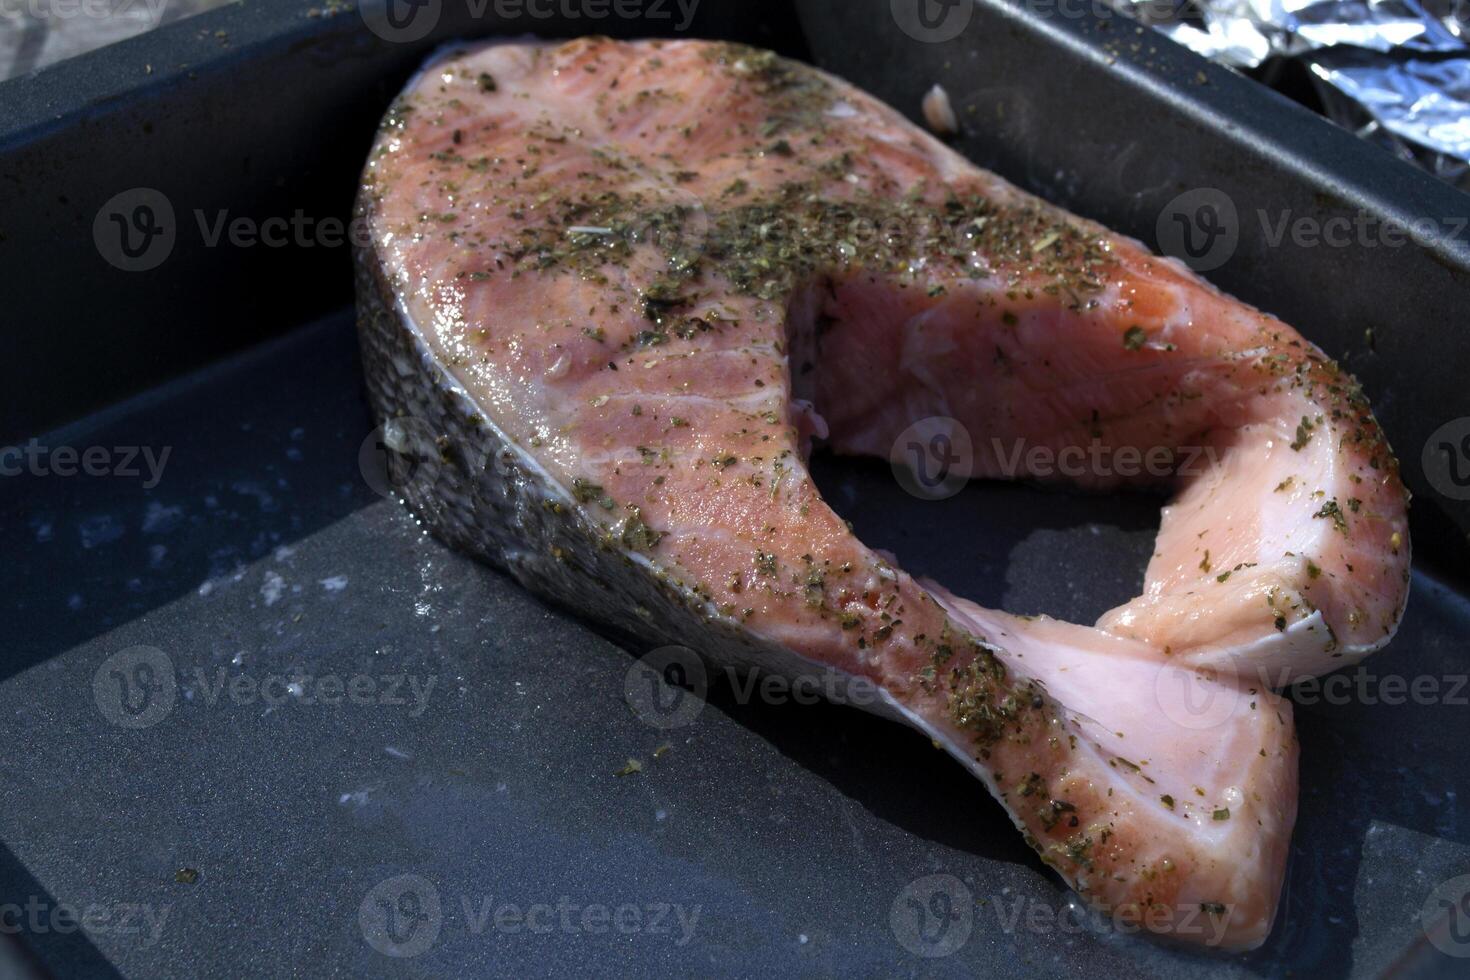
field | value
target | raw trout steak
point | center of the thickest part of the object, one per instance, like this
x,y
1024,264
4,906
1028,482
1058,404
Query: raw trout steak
x,y
614,291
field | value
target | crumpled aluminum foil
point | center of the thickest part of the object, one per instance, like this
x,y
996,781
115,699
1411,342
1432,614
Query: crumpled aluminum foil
x,y
37,33
1397,72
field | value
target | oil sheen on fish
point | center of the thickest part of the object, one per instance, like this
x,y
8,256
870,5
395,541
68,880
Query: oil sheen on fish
x,y
614,291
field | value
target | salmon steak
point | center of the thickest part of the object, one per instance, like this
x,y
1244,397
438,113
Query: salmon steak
x,y
612,294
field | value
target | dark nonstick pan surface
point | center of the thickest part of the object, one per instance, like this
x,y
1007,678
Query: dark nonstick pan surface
x,y
242,830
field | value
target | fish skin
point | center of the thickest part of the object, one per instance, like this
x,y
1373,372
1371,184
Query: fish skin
x,y
509,364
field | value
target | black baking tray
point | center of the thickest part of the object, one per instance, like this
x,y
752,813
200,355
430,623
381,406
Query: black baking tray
x,y
265,829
